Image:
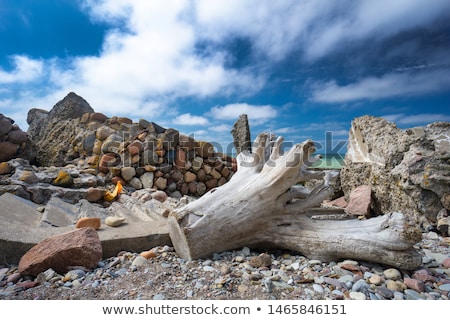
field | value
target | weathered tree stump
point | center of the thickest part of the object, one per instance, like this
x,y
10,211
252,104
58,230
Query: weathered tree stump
x,y
265,205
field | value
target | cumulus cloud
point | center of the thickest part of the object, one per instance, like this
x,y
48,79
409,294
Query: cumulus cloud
x,y
25,70
190,120
416,119
388,85
155,52
315,27
232,111
220,128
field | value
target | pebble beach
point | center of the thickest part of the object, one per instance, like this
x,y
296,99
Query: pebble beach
x,y
243,274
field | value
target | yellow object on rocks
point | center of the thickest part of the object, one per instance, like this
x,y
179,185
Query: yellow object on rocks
x,y
63,179
111,196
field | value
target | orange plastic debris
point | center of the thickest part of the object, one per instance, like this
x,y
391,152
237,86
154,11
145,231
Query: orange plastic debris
x,y
111,196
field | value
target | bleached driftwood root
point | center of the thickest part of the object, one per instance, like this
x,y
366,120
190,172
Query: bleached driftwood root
x,y
265,205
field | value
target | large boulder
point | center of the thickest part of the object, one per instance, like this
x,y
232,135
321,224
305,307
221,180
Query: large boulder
x,y
81,247
51,131
408,170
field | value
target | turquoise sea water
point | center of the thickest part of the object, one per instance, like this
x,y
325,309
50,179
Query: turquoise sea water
x,y
330,161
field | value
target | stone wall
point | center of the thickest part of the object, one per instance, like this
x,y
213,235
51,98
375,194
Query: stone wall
x,y
145,155
12,139
140,155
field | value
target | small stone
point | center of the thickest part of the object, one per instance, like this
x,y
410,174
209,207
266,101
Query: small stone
x,y
106,161
28,177
135,183
76,283
392,274
384,292
208,269
3,272
180,160
94,194
161,183
413,295
375,279
245,251
423,275
414,284
127,173
263,260
346,278
14,277
139,261
360,285
318,288
392,285
88,222
350,267
48,274
5,168
159,296
189,177
338,294
242,288
357,295
135,147
74,274
114,221
446,263
159,195
445,287
147,180
224,269
149,254
27,284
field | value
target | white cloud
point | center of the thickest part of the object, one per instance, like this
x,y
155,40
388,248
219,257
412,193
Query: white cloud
x,y
220,128
190,120
389,85
416,119
317,27
234,110
148,60
25,70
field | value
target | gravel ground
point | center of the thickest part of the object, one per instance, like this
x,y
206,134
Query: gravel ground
x,y
239,275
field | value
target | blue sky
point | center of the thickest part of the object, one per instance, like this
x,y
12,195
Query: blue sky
x,y
297,68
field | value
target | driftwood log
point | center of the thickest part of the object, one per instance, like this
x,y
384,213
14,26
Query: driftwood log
x,y
265,205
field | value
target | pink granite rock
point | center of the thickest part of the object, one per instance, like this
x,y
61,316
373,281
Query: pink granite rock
x,y
359,201
81,247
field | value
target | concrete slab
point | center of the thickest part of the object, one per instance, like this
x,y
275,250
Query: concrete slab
x,y
19,210
17,238
59,213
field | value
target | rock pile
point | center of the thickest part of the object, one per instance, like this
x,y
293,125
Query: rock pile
x,y
140,155
12,139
